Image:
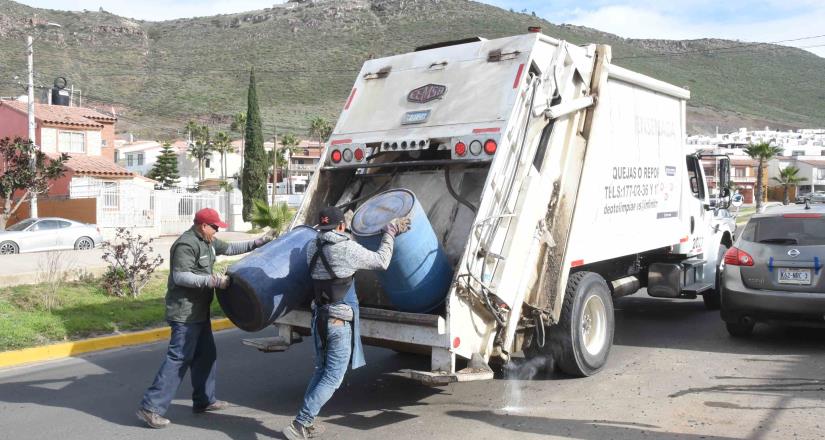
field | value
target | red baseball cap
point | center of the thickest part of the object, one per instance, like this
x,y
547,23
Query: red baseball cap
x,y
208,216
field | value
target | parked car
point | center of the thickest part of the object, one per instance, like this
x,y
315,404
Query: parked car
x,y
817,197
774,272
47,234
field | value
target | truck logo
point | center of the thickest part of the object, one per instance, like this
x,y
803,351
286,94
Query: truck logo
x,y
426,93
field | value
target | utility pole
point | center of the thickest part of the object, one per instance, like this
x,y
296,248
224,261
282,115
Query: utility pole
x,y
274,164
30,56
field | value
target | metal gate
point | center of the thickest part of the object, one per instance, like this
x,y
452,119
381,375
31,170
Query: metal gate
x,y
175,210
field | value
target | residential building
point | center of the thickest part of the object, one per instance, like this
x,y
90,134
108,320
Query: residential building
x,y
61,129
812,170
138,157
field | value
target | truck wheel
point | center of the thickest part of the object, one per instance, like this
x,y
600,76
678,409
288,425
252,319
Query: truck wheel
x,y
712,297
584,334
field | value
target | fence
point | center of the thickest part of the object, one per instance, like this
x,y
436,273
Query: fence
x,y
165,212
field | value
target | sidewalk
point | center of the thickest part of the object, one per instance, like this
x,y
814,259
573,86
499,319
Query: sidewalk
x,y
25,268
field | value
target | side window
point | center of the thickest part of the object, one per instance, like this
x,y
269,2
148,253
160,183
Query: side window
x,y
48,225
63,224
694,176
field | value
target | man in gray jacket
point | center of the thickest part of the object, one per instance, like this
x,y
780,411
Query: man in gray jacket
x,y
333,260
189,292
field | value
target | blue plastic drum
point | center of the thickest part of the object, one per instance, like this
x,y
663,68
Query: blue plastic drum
x,y
269,282
419,274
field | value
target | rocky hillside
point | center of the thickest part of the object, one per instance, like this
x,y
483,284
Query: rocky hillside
x,y
156,75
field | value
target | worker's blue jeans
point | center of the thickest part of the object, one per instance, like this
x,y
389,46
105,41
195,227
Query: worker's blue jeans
x,y
331,364
191,346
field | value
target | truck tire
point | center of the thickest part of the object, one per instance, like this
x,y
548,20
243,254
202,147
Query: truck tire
x,y
712,297
584,335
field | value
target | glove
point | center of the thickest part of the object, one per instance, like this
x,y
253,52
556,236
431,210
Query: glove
x,y
220,281
397,226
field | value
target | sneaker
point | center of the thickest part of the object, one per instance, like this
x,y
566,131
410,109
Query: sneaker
x,y
153,420
296,431
217,405
316,430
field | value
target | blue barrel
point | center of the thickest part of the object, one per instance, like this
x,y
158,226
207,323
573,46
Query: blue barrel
x,y
269,282
419,274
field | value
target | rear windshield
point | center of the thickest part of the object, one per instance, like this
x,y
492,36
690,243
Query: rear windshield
x,y
786,230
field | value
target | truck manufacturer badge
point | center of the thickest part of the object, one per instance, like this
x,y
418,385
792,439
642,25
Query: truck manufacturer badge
x,y
426,93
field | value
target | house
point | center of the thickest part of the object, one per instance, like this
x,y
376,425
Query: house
x,y
138,157
743,176
812,169
61,129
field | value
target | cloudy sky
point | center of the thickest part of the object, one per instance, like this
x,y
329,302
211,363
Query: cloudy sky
x,y
746,20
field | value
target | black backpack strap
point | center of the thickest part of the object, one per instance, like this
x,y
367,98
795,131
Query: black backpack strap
x,y
320,243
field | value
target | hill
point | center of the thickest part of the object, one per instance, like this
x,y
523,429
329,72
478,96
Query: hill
x,y
157,75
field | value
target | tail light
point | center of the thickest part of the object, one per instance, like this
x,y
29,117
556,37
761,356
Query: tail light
x,y
460,149
490,147
359,154
336,156
347,155
475,148
738,257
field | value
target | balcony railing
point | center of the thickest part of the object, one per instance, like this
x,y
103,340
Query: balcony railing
x,y
744,179
297,167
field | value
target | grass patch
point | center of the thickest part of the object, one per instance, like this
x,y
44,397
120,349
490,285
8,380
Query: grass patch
x,y
83,310
743,215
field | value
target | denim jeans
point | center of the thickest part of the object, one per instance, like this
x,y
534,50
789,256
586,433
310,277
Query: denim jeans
x,y
330,366
191,346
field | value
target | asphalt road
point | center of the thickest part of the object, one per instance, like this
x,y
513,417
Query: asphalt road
x,y
674,373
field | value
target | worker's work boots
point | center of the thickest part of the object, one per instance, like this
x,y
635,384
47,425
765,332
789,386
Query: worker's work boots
x,y
153,420
217,405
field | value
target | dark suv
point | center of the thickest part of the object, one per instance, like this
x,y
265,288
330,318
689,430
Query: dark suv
x,y
774,272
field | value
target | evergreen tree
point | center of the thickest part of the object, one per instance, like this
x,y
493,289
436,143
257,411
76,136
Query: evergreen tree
x,y
165,170
255,170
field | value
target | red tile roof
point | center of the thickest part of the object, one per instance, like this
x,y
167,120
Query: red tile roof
x,y
96,166
814,162
59,114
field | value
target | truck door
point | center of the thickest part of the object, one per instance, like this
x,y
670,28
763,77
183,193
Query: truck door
x,y
697,210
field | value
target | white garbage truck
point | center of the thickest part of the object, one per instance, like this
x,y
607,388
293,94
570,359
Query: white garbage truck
x,y
555,181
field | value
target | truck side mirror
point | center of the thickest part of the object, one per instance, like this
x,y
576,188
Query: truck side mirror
x,y
723,171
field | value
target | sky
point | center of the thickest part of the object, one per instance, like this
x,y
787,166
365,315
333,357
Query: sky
x,y
746,20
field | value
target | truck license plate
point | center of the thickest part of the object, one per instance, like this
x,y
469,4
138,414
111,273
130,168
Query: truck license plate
x,y
795,276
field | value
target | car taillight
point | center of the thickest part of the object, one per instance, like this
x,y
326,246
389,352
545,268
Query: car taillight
x,y
359,154
475,148
460,149
490,147
347,155
336,156
738,257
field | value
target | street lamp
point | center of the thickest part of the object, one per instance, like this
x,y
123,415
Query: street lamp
x,y
30,56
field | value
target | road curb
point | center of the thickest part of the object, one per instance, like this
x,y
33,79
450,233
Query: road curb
x,y
69,349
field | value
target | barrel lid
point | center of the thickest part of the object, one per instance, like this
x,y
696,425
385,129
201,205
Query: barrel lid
x,y
376,212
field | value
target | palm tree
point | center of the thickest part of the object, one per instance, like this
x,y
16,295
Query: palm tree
x,y
201,148
762,152
223,145
320,128
289,145
276,217
787,178
239,126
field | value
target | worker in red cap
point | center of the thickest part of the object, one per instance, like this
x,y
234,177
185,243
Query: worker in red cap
x,y
189,293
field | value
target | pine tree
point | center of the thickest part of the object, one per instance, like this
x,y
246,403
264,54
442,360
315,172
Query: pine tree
x,y
255,170
165,170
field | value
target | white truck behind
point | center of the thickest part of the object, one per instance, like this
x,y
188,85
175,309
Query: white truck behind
x,y
556,182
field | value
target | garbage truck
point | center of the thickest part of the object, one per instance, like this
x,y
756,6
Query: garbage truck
x,y
554,180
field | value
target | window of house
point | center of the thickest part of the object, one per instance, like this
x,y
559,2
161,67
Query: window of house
x,y
207,163
130,160
798,153
117,156
739,172
822,153
111,194
103,142
820,174
71,142
140,159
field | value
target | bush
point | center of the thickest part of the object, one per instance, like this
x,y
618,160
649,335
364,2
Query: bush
x,y
131,263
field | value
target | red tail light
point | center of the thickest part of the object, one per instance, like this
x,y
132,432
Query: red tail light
x,y
336,156
359,154
738,257
490,147
460,149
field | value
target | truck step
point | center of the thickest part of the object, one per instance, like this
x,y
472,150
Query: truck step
x,y
693,262
696,288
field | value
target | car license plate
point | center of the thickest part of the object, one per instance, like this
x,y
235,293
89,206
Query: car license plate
x,y
794,276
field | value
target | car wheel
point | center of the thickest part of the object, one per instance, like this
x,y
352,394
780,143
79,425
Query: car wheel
x,y
712,297
84,244
739,330
584,335
8,248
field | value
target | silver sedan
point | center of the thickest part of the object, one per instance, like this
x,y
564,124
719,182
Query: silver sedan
x,y
47,234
